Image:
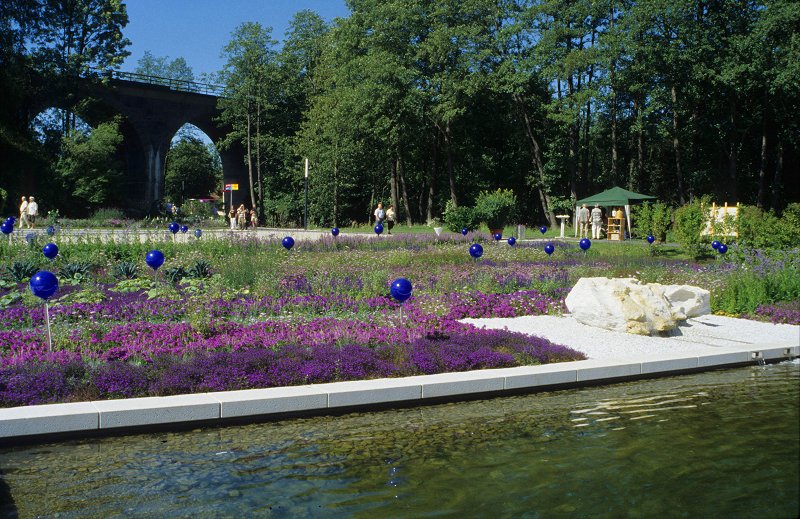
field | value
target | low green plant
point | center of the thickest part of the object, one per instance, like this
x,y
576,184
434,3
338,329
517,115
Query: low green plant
x,y
21,270
125,270
496,208
457,218
200,270
175,274
77,271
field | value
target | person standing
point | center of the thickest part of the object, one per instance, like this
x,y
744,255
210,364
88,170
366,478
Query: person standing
x,y
583,221
390,218
597,222
232,218
380,214
23,213
33,212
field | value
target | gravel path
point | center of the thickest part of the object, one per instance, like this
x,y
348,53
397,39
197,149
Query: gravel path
x,y
702,333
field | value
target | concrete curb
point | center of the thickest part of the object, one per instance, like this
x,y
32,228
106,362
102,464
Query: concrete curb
x,y
115,416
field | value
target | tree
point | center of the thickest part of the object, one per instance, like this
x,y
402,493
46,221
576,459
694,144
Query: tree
x,y
89,170
160,66
192,171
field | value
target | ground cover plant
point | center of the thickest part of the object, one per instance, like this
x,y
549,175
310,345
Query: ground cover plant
x,y
246,313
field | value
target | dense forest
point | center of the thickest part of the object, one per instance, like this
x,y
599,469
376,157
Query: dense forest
x,y
421,103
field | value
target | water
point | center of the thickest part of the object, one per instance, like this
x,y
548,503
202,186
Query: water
x,y
718,444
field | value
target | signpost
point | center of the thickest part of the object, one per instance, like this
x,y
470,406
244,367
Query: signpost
x,y
231,188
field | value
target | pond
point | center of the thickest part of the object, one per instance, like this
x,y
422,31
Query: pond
x,y
715,444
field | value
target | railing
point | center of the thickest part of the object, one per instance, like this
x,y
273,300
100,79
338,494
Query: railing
x,y
180,85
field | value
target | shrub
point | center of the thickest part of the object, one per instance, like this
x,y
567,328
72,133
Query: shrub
x,y
457,218
652,219
496,208
689,222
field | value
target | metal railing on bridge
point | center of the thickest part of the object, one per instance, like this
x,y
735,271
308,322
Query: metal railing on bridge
x,y
180,85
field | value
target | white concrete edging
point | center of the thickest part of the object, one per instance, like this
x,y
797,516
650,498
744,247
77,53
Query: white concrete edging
x,y
116,415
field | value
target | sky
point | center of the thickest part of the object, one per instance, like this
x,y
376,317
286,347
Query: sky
x,y
197,30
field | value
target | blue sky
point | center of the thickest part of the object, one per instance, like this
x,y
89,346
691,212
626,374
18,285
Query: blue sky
x,y
197,30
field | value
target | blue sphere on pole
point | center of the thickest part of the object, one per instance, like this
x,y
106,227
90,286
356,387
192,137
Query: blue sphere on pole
x,y
543,229
378,229
288,243
401,289
154,259
50,251
174,228
650,239
184,228
512,241
198,233
335,232
475,250
51,230
11,220
722,248
7,227
585,243
549,249
464,231
498,236
715,244
44,284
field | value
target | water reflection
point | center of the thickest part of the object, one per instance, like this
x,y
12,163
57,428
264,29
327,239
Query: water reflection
x,y
691,445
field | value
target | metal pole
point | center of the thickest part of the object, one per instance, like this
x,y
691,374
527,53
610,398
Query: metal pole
x,y
305,212
47,322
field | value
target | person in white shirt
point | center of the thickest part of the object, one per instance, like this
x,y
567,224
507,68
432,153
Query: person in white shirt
x,y
583,221
23,213
597,222
379,213
33,212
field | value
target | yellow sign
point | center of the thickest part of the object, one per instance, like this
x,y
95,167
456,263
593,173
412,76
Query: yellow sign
x,y
231,187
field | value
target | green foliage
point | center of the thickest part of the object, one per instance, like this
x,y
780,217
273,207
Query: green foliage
x,y
197,209
76,271
22,270
200,270
496,208
126,270
655,218
191,171
175,274
457,218
690,220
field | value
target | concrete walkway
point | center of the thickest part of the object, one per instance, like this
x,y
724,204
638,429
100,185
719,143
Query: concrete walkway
x,y
700,344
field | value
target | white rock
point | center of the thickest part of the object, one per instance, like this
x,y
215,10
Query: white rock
x,y
621,304
687,301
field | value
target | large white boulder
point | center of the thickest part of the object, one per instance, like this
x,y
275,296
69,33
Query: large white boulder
x,y
627,305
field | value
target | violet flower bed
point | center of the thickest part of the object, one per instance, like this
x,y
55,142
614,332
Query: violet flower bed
x,y
128,346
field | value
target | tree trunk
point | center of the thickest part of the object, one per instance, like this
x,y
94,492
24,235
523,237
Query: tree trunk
x,y
393,184
733,192
536,158
432,181
401,173
572,143
250,157
450,174
336,185
639,141
259,207
762,168
777,188
676,145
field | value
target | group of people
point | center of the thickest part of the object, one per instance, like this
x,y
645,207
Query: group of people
x,y
388,216
595,216
242,218
28,211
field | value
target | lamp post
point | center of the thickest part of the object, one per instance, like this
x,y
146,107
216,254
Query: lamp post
x,y
305,211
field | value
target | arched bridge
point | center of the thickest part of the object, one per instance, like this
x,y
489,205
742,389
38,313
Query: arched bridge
x,y
153,110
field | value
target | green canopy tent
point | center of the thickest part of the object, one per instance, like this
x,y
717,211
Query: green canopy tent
x,y
611,197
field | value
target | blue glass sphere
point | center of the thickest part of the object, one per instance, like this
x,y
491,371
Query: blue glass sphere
x,y
585,243
715,244
378,229
475,250
549,249
288,243
543,229
335,232
174,227
464,231
51,230
44,284
650,238
722,248
198,233
184,228
154,259
401,289
50,251
512,241
7,227
498,236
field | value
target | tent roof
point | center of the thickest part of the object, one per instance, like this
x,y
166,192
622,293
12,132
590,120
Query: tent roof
x,y
614,196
